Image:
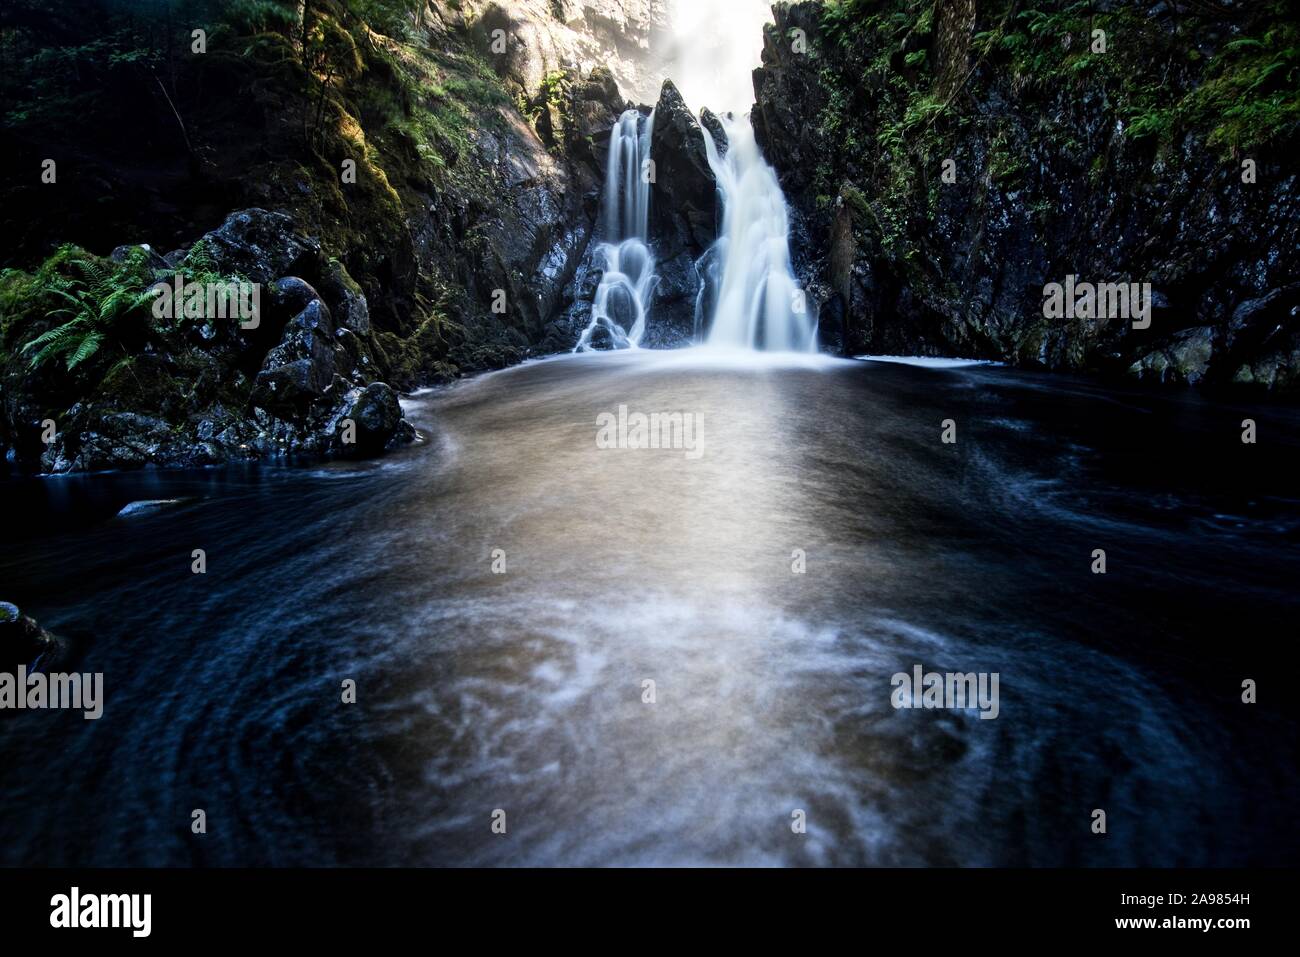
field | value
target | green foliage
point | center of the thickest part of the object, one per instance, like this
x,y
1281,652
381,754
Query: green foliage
x,y
1253,92
97,298
1153,82
1006,166
259,16
1158,122
922,110
840,19
899,129
555,86
284,95
1246,94
399,19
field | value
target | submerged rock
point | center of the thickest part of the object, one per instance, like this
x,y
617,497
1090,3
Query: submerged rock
x,y
145,506
23,641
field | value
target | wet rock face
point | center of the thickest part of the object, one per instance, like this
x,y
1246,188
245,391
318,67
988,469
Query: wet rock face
x,y
789,97
710,122
683,217
683,198
516,262
351,308
1050,182
1184,360
261,246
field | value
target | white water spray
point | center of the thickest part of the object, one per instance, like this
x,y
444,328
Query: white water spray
x,y
748,286
622,300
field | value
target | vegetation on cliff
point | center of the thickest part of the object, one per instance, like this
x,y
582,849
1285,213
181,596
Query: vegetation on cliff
x,y
383,130
281,96
1081,136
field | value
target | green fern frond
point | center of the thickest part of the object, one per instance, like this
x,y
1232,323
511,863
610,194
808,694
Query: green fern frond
x,y
85,349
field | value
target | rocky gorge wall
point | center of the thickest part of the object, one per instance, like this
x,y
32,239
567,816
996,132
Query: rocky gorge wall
x,y
442,162
476,133
629,38
1169,158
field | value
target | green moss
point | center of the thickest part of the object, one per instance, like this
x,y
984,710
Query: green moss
x,y
1007,168
890,120
1253,92
1246,94
855,199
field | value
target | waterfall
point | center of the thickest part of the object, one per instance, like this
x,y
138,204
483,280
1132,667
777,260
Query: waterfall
x,y
622,300
748,286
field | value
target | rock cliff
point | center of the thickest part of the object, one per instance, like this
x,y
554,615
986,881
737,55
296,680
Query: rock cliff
x,y
951,160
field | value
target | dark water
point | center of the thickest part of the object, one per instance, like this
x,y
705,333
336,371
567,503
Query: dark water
x,y
523,691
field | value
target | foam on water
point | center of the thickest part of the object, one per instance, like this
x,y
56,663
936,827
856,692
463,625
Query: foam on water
x,y
524,690
930,362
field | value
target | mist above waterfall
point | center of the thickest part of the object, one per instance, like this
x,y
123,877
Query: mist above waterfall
x,y
716,46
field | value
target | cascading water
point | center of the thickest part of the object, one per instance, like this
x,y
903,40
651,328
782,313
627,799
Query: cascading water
x,y
748,287
622,300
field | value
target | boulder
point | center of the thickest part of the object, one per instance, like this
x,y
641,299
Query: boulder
x,y
23,641
97,439
349,305
1184,360
292,295
300,370
260,246
376,415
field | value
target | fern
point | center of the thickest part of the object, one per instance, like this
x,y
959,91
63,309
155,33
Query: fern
x,y
99,300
